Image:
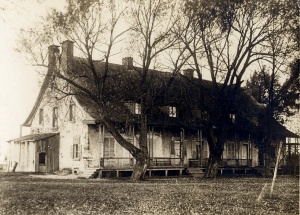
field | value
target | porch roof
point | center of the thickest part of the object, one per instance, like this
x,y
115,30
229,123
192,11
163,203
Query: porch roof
x,y
34,137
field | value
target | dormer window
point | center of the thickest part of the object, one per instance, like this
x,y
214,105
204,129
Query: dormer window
x,y
232,117
172,111
135,108
72,112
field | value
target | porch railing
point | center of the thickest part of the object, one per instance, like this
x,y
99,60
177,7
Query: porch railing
x,y
162,161
120,162
224,162
116,162
236,162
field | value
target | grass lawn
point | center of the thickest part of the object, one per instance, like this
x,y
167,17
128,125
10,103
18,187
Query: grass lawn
x,y
24,194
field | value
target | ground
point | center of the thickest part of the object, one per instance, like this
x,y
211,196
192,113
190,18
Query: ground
x,y
28,194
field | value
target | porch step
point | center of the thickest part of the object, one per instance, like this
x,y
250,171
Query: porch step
x,y
196,171
89,173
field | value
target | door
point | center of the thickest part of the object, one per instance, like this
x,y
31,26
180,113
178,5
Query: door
x,y
175,152
42,162
245,155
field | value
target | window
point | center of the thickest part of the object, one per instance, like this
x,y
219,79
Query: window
x,y
75,151
137,108
232,117
54,117
230,150
72,112
109,147
41,117
76,148
42,159
172,111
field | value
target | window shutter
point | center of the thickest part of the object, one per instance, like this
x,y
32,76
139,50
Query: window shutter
x,y
79,151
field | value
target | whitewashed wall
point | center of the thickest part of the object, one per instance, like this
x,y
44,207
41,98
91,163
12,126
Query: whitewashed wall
x,y
66,128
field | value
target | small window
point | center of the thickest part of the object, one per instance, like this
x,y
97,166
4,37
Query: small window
x,y
72,112
55,117
41,117
172,111
42,159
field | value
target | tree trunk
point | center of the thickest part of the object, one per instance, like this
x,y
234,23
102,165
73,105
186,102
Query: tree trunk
x,y
212,166
140,167
215,152
142,158
140,154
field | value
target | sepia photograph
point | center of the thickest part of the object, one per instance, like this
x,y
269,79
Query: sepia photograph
x,y
161,107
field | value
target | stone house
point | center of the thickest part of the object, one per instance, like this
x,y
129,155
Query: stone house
x,y
68,133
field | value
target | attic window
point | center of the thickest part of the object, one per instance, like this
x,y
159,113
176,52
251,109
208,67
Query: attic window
x,y
41,117
172,111
55,117
72,112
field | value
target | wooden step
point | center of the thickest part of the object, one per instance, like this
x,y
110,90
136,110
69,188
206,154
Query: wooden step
x,y
88,172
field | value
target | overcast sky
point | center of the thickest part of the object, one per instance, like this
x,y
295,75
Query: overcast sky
x,y
19,84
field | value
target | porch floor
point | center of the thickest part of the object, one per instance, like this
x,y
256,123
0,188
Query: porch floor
x,y
169,171
151,172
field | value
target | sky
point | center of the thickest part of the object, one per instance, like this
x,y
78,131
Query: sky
x,y
19,82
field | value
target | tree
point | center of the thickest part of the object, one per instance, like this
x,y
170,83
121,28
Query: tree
x,y
278,55
151,23
225,38
95,34
279,99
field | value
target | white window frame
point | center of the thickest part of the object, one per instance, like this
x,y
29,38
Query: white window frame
x,y
172,111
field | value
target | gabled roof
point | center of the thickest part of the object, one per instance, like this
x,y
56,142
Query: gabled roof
x,y
39,99
34,137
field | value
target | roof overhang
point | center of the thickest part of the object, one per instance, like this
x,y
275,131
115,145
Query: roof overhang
x,y
34,137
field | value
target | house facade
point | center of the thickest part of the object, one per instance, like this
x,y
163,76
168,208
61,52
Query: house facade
x,y
65,133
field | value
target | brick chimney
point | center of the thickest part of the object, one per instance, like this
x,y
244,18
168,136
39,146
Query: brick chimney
x,y
53,53
127,62
67,55
188,73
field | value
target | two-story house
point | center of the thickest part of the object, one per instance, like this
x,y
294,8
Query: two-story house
x,y
67,132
